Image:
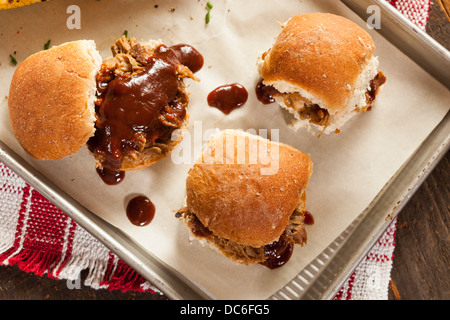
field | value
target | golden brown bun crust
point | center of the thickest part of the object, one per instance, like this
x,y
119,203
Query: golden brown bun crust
x,y
48,101
321,53
237,202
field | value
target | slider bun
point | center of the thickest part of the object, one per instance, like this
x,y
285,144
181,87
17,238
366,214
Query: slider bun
x,y
51,100
235,200
327,59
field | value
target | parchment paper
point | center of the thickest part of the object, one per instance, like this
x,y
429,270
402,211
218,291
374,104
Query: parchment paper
x,y
349,168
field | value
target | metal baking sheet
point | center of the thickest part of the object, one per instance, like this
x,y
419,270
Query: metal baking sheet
x,y
321,278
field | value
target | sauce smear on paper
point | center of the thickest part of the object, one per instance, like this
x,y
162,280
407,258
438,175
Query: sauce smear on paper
x,y
228,97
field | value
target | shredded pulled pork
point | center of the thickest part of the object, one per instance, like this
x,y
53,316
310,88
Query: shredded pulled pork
x,y
310,111
375,85
121,132
294,233
320,116
129,59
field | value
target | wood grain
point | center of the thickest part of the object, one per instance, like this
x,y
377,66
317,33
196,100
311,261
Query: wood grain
x,y
445,7
439,26
421,257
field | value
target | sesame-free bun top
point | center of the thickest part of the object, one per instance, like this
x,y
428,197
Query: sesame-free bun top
x,y
245,195
51,100
321,54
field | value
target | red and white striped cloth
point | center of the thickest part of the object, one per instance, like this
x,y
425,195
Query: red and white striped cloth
x,y
415,10
39,238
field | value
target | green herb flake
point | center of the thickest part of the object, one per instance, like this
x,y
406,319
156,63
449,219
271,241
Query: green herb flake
x,y
47,45
209,6
13,60
125,33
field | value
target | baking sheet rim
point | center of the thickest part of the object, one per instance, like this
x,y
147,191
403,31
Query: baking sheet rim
x,y
425,161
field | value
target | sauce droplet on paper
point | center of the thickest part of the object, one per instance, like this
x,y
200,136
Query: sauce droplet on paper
x,y
228,97
140,211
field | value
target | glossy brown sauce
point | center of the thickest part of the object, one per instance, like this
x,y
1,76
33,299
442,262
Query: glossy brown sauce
x,y
198,228
129,108
110,177
189,56
375,84
140,211
265,93
309,219
228,97
278,253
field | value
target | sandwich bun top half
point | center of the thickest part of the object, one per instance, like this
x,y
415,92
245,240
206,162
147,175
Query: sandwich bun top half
x,y
51,100
321,55
235,199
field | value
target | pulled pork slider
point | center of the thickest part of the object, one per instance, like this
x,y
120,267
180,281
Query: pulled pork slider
x,y
125,108
141,101
322,69
246,198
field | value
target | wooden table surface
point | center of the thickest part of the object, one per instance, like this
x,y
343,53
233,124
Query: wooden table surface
x,y
421,257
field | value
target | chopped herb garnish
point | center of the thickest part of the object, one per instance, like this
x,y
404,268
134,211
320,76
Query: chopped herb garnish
x,y
125,33
13,60
209,6
47,45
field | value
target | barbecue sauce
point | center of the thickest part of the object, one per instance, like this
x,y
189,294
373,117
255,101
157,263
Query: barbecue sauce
x,y
278,253
140,211
309,219
198,228
375,84
111,177
228,97
265,93
188,56
128,108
